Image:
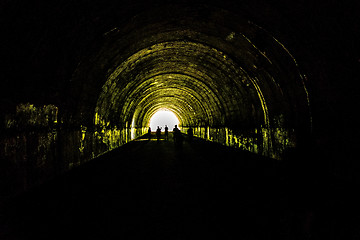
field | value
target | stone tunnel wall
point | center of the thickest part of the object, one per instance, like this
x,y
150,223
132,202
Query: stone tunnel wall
x,y
35,146
264,141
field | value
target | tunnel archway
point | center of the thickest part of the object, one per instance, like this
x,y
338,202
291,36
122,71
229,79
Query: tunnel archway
x,y
81,78
228,78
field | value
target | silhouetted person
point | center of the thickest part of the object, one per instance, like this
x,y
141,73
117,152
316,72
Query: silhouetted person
x,y
175,133
190,134
166,133
178,139
158,133
149,133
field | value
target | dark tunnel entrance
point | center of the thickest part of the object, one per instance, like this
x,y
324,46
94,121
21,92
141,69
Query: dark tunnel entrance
x,y
235,84
231,80
269,90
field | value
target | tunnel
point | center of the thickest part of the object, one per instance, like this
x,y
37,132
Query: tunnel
x,y
231,88
82,79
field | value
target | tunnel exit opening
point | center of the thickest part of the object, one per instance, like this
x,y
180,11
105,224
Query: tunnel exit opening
x,y
163,117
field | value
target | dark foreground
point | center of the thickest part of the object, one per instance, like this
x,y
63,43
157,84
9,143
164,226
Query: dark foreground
x,y
155,190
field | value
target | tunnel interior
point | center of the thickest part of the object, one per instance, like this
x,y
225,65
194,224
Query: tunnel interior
x,y
234,84
94,74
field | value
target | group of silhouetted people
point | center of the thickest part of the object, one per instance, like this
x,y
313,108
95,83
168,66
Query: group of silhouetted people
x,y
158,133
177,135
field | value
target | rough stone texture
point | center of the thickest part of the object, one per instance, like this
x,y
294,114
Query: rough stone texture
x,y
209,71
250,74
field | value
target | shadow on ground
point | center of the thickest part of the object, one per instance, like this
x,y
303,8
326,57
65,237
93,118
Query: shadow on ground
x,y
199,190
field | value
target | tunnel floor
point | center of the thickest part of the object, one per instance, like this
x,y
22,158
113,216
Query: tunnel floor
x,y
199,190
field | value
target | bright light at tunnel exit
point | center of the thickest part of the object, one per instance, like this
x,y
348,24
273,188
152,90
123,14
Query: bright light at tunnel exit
x,y
162,118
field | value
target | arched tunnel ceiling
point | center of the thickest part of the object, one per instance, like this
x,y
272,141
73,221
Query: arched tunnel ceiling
x,y
179,70
208,66
100,59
